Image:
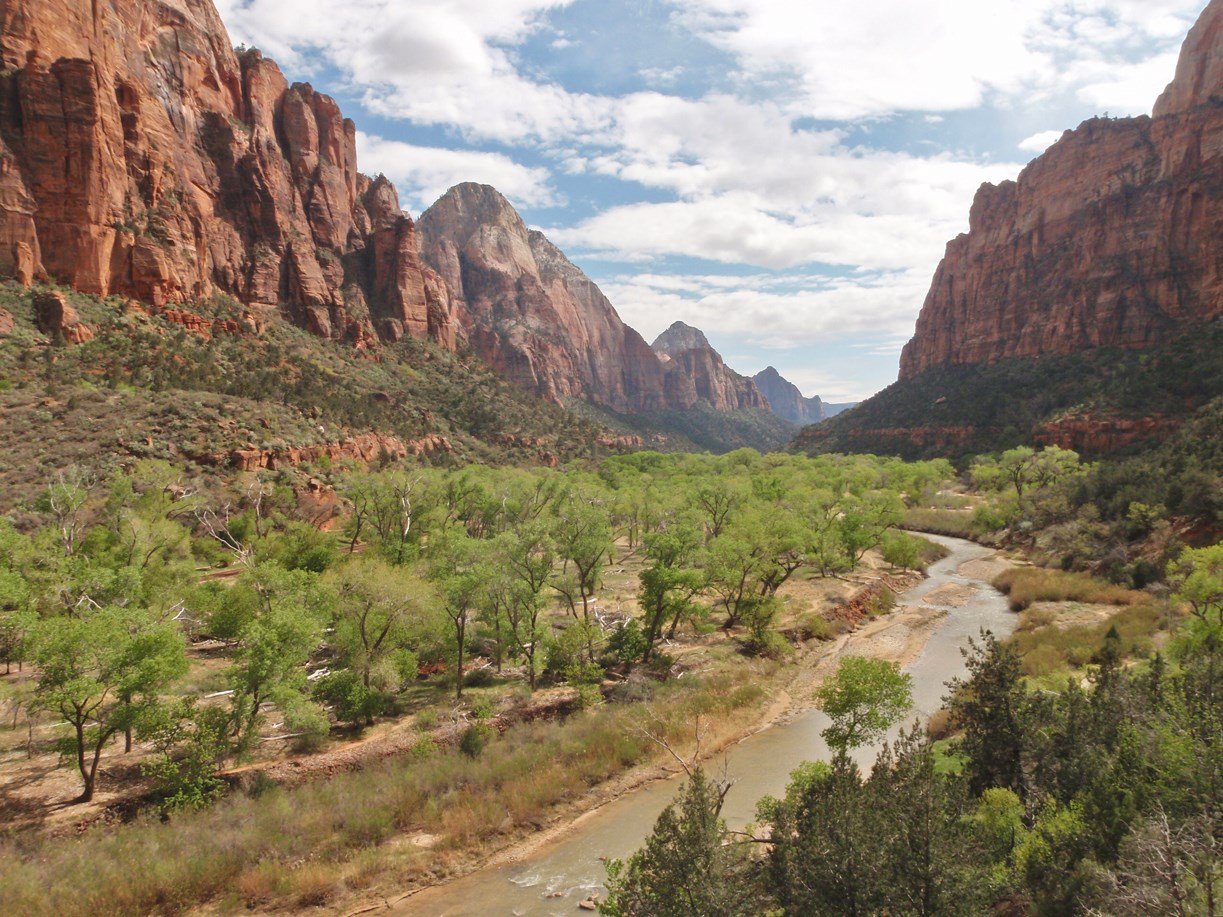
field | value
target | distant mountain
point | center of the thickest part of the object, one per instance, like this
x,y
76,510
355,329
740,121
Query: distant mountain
x,y
1110,242
694,372
832,410
786,400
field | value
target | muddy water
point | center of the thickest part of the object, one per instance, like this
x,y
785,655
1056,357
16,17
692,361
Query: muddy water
x,y
555,878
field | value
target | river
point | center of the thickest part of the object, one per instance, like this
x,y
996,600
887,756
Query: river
x,y
555,878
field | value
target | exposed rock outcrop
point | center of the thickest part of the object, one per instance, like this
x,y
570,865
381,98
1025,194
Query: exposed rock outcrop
x,y
1100,435
141,156
678,338
529,312
694,372
1111,238
786,400
365,448
57,318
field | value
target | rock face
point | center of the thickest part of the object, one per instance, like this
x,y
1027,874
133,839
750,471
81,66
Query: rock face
x,y
786,400
1111,238
56,318
535,317
694,372
141,156
678,338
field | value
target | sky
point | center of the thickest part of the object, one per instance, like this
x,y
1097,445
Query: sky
x,y
782,175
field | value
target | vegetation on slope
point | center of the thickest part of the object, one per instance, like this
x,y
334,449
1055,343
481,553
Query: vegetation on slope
x,y
989,407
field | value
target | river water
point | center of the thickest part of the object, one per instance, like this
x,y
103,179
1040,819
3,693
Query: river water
x,y
554,879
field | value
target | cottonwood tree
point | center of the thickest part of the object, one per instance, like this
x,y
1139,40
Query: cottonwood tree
x,y
454,566
583,538
380,611
864,699
1197,577
524,558
65,499
102,672
669,583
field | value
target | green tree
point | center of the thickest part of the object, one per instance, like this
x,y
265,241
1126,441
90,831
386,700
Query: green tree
x,y
864,699
989,707
462,580
668,584
1197,577
824,861
686,867
103,672
525,557
583,539
380,610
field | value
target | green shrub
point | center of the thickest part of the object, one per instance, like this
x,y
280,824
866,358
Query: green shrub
x,y
475,738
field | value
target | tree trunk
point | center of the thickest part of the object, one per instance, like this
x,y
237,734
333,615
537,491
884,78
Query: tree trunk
x,y
460,628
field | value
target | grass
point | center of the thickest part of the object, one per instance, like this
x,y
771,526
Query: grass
x,y
324,840
1025,585
955,523
1048,652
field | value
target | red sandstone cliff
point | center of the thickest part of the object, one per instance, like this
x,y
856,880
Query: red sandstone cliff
x,y
139,155
1111,238
530,313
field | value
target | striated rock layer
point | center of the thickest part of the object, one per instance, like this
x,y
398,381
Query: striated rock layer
x,y
141,156
1111,238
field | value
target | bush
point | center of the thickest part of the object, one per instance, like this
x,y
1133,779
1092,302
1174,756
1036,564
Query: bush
x,y
474,739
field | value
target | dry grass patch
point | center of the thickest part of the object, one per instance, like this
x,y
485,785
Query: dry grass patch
x,y
1025,585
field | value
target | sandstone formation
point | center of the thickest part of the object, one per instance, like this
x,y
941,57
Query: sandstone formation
x,y
365,448
141,156
529,312
786,400
694,372
678,338
56,318
1100,435
1111,238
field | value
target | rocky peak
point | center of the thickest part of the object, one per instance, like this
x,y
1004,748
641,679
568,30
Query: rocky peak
x,y
1108,239
785,399
529,312
1199,71
541,322
678,338
141,156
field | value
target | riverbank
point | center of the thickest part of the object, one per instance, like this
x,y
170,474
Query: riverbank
x,y
900,636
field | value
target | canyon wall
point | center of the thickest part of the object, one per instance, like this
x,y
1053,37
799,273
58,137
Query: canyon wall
x,y
1111,238
141,156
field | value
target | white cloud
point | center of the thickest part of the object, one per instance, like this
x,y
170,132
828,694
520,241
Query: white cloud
x,y
1038,143
846,60
423,174
439,63
760,312
730,177
1133,90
